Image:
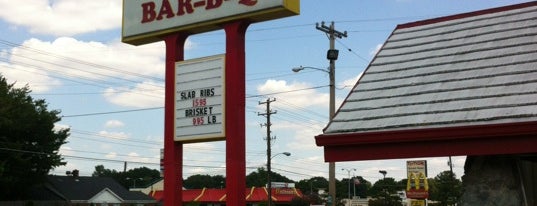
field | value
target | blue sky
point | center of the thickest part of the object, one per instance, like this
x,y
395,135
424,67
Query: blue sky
x,y
70,54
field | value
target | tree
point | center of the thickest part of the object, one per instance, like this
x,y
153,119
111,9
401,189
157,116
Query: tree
x,y
360,186
204,181
100,171
312,185
259,178
446,189
384,192
137,177
29,144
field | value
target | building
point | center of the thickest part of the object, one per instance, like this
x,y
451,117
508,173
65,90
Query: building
x,y
464,84
76,190
217,197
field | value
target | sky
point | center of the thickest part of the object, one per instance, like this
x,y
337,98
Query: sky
x,y
111,94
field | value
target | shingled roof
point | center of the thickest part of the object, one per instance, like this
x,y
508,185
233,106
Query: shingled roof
x,y
440,80
84,189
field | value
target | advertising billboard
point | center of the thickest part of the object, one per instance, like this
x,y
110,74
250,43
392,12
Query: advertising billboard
x,y
145,21
417,185
199,107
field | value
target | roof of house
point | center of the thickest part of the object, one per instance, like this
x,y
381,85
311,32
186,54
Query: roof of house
x,y
84,188
472,69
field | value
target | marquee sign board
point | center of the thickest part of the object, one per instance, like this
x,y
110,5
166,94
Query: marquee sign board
x,y
417,185
199,99
144,21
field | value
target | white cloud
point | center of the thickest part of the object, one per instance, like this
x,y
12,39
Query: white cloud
x,y
375,50
68,57
146,94
199,146
111,155
63,17
42,64
114,124
303,138
114,135
65,150
58,127
348,84
35,79
299,93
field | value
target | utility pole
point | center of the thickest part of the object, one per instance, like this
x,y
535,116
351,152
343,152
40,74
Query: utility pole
x,y
332,55
450,163
267,113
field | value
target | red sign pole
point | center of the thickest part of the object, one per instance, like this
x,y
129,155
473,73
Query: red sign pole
x,y
173,151
235,113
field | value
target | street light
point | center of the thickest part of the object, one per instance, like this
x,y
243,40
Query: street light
x,y
269,185
383,172
300,68
332,110
311,186
349,173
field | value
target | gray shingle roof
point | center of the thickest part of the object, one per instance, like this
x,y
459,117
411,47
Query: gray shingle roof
x,y
473,69
84,188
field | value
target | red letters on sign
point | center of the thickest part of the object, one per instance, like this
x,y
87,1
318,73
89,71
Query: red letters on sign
x,y
199,102
213,4
165,9
185,7
197,121
149,12
248,2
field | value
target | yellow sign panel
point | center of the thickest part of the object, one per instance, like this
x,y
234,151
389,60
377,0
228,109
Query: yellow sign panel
x,y
145,21
417,202
417,185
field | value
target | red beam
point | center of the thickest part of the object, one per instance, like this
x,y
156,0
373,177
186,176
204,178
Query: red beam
x,y
235,104
173,151
510,138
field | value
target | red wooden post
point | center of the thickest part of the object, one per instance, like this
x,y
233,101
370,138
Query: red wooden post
x,y
235,113
173,151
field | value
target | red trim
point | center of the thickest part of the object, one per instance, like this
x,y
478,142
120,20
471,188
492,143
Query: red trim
x,y
173,151
235,104
255,195
509,138
466,15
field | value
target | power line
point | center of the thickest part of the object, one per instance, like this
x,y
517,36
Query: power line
x,y
112,112
352,51
102,67
158,108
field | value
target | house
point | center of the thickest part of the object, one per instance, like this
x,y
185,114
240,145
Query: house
x,y
77,190
464,84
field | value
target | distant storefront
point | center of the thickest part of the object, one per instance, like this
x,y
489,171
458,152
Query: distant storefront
x,y
216,197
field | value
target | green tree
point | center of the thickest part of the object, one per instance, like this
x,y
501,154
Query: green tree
x,y
259,178
312,185
137,177
445,188
207,181
360,187
100,171
29,144
384,192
